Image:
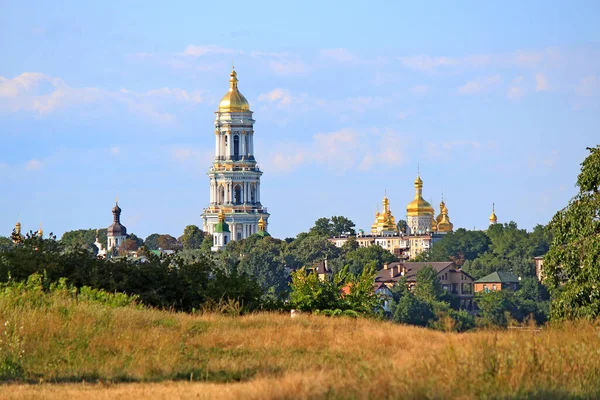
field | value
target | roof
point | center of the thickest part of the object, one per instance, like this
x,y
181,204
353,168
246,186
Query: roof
x,y
393,272
221,227
499,277
116,229
322,268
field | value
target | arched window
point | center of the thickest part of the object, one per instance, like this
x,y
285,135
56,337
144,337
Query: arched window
x,y
221,194
238,194
252,193
236,146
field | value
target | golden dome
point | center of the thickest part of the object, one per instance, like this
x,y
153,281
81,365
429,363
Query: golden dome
x,y
438,219
444,225
261,224
384,221
493,217
233,101
419,206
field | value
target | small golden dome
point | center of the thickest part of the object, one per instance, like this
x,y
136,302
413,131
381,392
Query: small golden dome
x,y
445,225
233,101
419,206
221,216
493,217
261,224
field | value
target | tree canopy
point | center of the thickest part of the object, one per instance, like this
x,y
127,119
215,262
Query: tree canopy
x,y
572,264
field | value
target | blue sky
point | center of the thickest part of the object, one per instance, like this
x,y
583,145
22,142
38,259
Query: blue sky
x,y
496,102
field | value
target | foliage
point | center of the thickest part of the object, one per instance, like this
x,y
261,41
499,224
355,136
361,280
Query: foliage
x,y
192,237
411,310
344,291
168,242
428,287
571,266
5,243
266,264
84,238
336,226
151,241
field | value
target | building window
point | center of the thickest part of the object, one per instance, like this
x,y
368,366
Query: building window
x,y
494,287
236,146
238,194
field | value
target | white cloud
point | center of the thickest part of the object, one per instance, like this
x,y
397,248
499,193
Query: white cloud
x,y
289,67
41,95
279,96
202,50
340,55
342,151
479,85
425,63
541,82
34,165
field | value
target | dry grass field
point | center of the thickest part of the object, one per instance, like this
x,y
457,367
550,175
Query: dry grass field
x,y
63,348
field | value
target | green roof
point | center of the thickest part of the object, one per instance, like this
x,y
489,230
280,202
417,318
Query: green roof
x,y
498,277
156,252
263,233
221,227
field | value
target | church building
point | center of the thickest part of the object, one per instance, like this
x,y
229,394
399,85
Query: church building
x,y
234,178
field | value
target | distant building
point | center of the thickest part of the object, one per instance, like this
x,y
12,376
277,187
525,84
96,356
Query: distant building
x,y
234,176
539,264
423,230
101,250
322,269
116,233
497,281
221,233
452,278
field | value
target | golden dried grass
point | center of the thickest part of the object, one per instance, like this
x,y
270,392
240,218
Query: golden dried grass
x,y
274,356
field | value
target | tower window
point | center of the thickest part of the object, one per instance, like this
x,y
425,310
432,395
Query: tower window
x,y
238,194
236,146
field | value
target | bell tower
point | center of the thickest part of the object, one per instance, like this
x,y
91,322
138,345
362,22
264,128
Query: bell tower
x,y
234,177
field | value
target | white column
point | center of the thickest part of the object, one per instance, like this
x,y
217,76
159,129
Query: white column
x,y
217,136
243,144
251,152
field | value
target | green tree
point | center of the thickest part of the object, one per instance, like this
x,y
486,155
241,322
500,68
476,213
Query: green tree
x,y
84,238
192,237
309,293
168,242
361,257
5,243
151,241
571,266
322,227
428,287
410,310
361,297
265,264
342,226
495,306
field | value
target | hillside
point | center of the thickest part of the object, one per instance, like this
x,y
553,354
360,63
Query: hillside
x,y
59,337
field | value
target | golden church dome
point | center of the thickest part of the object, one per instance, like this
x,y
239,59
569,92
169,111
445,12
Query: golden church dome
x,y
444,225
384,221
233,101
493,217
419,206
438,219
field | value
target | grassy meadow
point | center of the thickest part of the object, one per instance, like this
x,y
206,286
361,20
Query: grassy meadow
x,y
58,345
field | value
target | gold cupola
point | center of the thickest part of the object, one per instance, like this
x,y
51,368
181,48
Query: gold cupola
x,y
419,206
233,101
444,225
384,221
493,217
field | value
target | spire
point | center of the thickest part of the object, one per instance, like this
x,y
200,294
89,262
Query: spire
x,y
233,79
493,217
116,212
261,225
221,216
40,232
